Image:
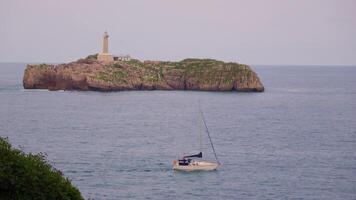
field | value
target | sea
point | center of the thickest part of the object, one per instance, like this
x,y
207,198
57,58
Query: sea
x,y
296,140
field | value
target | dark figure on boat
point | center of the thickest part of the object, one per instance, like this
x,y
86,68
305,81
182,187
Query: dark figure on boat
x,y
187,159
184,161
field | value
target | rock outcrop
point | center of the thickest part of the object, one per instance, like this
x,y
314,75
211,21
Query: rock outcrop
x,y
188,74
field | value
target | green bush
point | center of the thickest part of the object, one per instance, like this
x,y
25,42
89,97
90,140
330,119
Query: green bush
x,y
29,176
92,57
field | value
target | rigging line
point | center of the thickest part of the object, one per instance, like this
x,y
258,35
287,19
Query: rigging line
x,y
207,130
200,139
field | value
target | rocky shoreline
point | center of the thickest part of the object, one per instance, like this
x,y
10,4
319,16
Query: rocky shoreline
x,y
189,74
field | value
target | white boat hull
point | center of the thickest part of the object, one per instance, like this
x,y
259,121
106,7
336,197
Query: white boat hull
x,y
195,166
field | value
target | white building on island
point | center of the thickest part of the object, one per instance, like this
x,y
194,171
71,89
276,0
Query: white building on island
x,y
122,58
105,56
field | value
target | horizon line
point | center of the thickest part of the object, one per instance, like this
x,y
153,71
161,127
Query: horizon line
x,y
346,65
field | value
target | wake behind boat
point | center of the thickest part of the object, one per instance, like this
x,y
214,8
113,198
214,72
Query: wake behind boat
x,y
188,164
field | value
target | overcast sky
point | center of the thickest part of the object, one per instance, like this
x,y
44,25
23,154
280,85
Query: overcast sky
x,y
245,31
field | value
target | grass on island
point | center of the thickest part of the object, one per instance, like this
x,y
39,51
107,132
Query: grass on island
x,y
30,176
207,71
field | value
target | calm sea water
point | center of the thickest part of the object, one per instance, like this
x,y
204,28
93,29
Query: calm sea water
x,y
297,140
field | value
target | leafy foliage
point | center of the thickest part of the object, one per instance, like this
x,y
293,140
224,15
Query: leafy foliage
x,y
92,57
205,71
30,176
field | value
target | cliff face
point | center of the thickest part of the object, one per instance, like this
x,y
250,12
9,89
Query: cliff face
x,y
189,74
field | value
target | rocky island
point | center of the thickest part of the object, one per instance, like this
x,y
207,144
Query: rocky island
x,y
106,72
189,74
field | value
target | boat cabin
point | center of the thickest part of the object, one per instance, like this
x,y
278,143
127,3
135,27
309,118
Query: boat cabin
x,y
184,161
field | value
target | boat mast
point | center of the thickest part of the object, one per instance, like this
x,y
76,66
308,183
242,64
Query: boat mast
x,y
200,138
207,130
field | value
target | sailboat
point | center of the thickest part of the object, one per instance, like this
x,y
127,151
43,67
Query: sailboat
x,y
186,163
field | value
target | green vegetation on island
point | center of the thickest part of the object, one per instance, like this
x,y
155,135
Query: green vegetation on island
x,y
189,74
29,176
204,70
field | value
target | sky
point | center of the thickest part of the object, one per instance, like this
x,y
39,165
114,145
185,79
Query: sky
x,y
273,32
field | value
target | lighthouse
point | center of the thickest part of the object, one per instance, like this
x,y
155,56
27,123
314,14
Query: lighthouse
x,y
104,55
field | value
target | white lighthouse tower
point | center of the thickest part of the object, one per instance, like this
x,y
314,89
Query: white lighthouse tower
x,y
105,56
